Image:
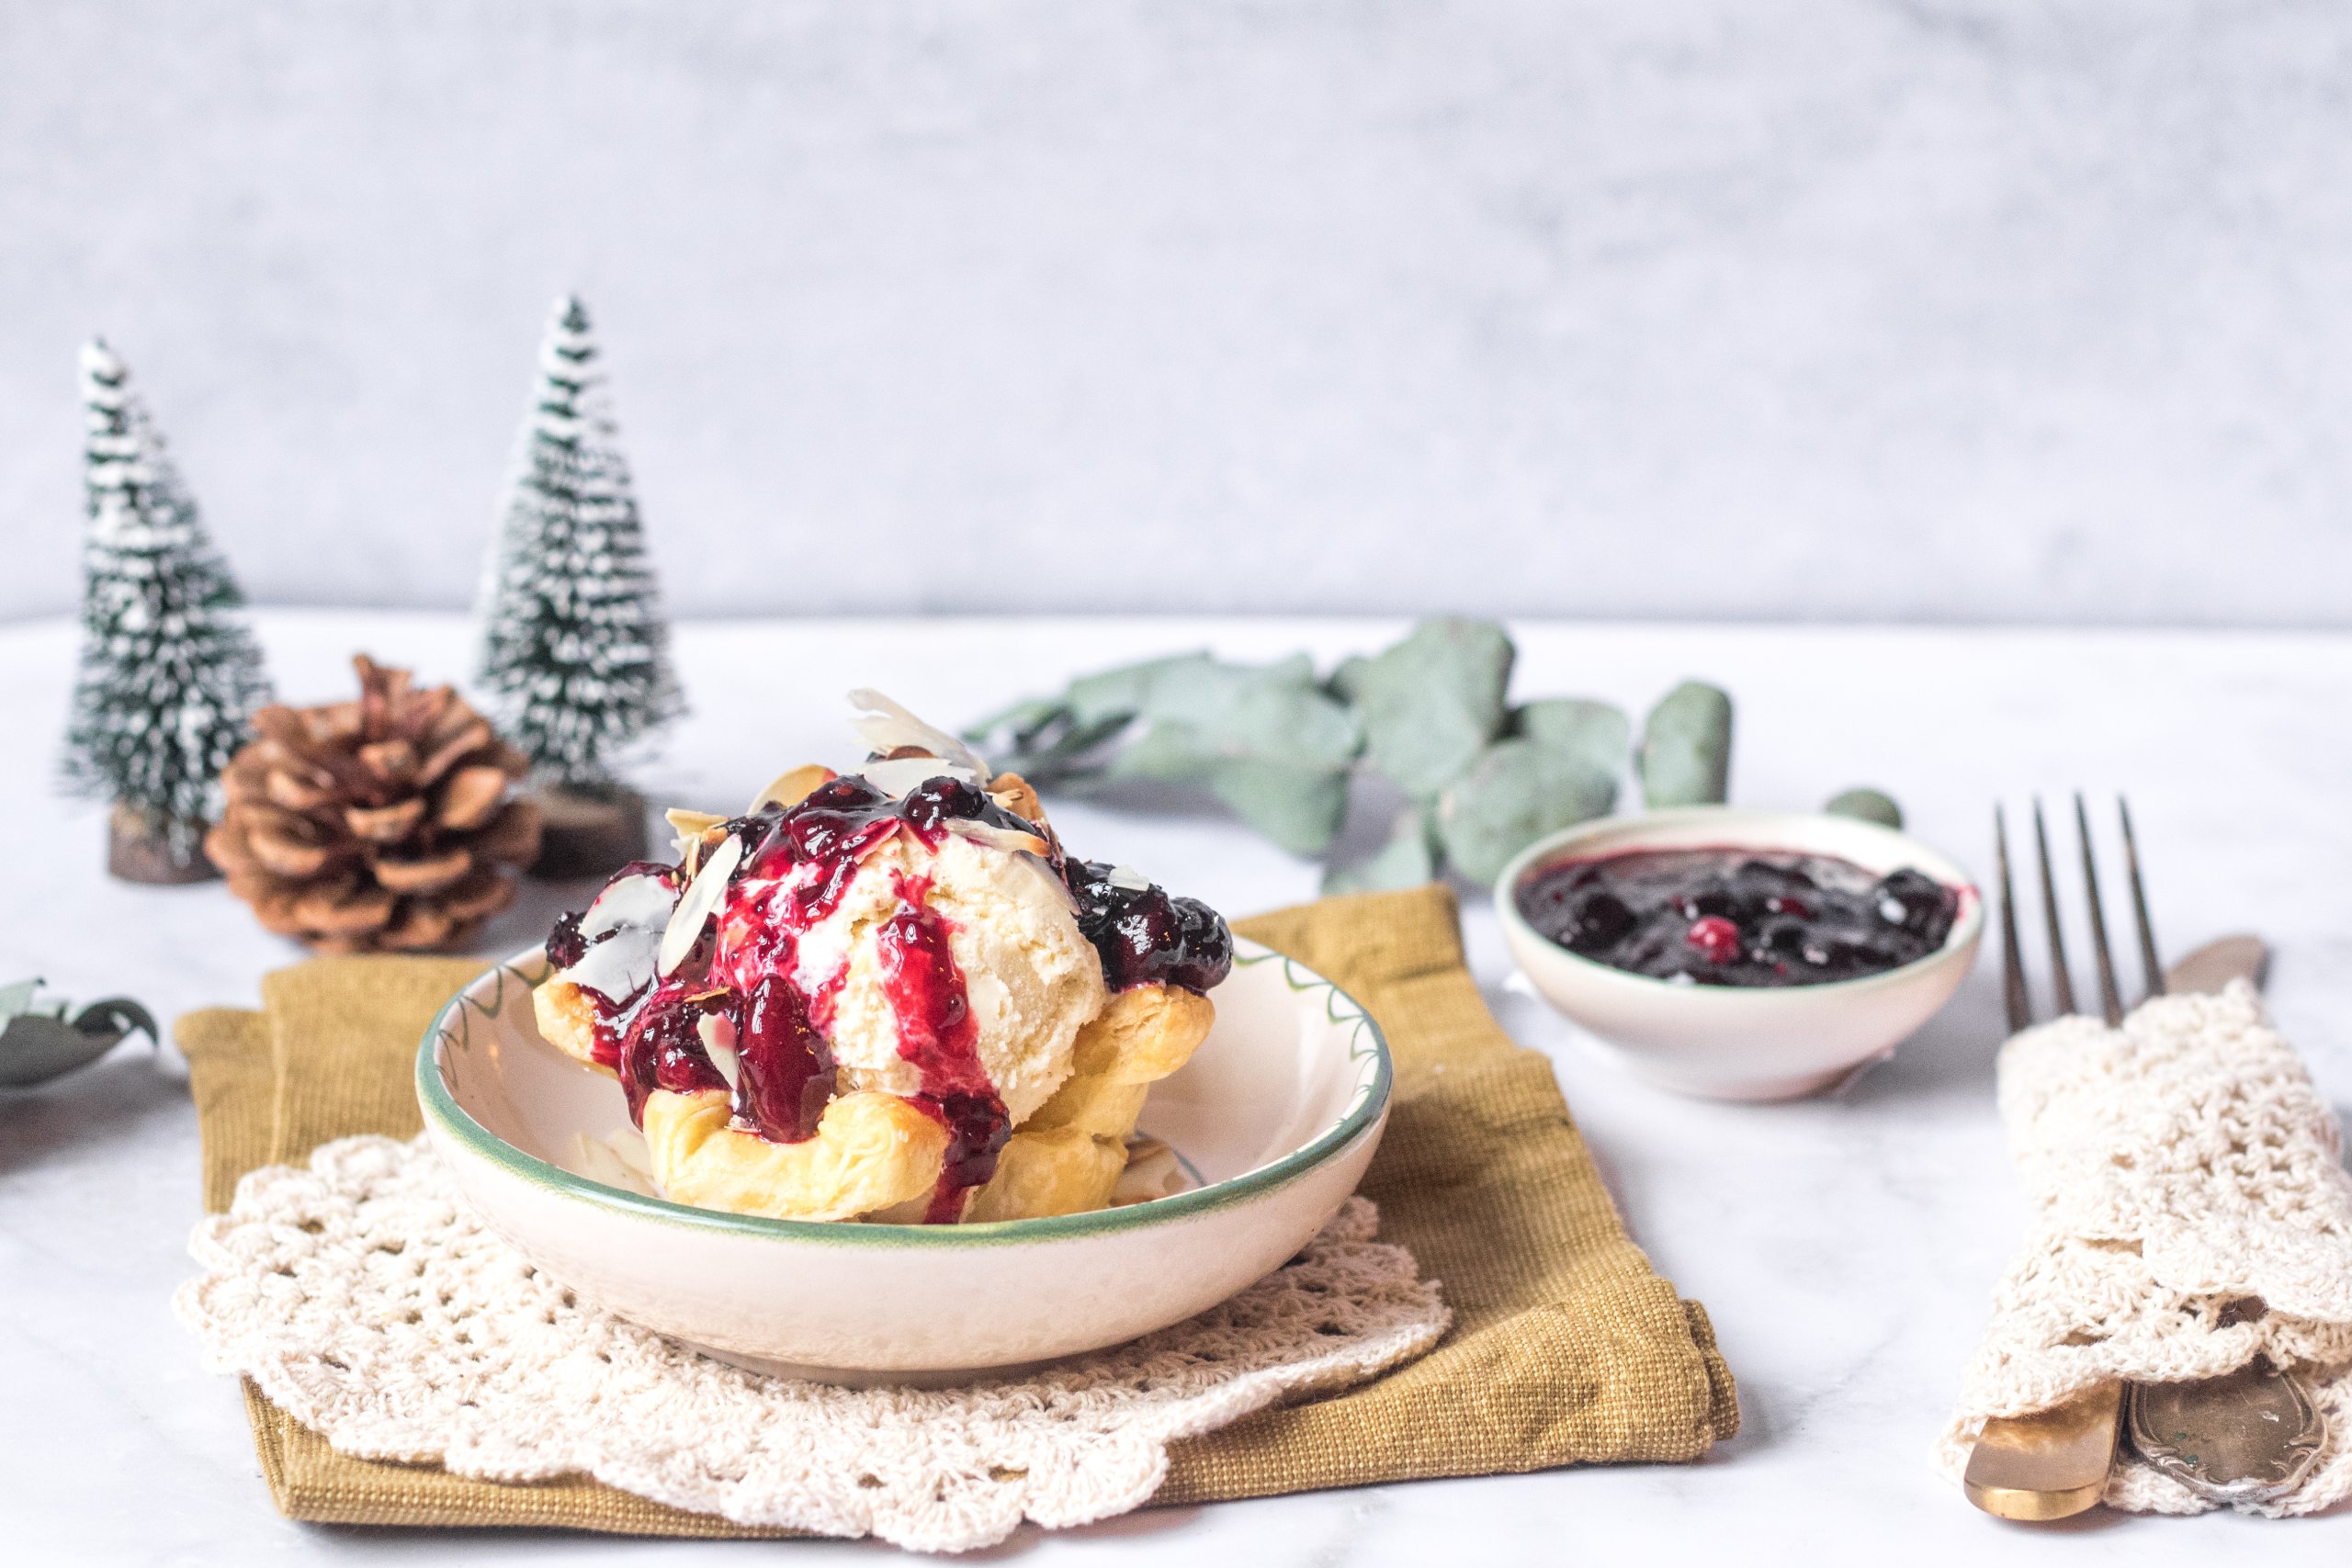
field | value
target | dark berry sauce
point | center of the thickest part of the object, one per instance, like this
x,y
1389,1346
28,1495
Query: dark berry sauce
x,y
1730,917
1145,936
787,1066
938,1035
662,1048
566,946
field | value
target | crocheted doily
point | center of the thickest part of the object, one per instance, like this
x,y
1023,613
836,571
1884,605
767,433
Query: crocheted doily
x,y
364,1298
2190,1212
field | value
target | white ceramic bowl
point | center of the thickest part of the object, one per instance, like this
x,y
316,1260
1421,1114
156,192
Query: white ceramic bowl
x,y
1739,1043
1276,1116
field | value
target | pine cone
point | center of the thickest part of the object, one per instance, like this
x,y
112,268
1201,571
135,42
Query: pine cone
x,y
380,824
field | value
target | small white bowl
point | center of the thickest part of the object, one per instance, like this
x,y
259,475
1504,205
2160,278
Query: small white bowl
x,y
1741,1043
1275,1117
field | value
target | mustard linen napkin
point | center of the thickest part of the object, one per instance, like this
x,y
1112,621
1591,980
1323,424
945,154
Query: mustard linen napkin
x,y
1566,1346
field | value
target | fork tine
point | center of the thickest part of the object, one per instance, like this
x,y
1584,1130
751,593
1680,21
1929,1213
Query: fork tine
x,y
2013,991
2062,979
2149,965
2110,1000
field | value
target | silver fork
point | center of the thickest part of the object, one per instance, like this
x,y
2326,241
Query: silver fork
x,y
2246,1437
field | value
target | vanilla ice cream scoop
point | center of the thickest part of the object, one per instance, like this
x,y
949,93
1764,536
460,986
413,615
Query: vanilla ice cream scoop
x,y
933,956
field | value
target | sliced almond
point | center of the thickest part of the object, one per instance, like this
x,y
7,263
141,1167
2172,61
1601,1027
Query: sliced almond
x,y
704,896
1010,839
886,725
694,830
1013,793
790,789
717,1033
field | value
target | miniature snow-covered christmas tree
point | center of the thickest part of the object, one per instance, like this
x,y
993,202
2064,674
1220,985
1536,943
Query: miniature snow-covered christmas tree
x,y
169,674
575,647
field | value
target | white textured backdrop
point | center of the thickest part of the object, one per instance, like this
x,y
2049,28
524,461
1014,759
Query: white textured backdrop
x,y
1841,309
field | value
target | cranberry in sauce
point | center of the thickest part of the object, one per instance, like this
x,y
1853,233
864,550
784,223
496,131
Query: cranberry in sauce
x,y
786,1067
1730,917
663,1047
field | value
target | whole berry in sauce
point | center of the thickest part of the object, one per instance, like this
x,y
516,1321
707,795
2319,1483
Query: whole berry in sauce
x,y
1715,938
936,801
1911,901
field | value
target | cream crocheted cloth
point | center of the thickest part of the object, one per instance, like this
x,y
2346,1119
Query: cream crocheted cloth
x,y
364,1298
2184,1174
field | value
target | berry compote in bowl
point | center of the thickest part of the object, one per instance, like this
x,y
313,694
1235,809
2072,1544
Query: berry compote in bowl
x,y
1737,954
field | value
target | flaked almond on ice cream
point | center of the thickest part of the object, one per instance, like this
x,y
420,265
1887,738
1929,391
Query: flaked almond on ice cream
x,y
886,994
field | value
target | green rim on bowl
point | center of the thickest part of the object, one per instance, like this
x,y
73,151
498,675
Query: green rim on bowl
x,y
517,976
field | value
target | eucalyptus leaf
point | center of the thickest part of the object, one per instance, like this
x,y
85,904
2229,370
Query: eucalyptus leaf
x,y
1298,807
1867,805
1285,714
1045,742
1171,750
1067,752
1516,792
1278,713
1020,724
1120,691
1192,687
1347,676
36,1047
1685,757
1406,860
1431,702
1266,740
1596,734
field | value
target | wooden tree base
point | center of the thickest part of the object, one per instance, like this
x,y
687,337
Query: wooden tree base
x,y
137,853
587,834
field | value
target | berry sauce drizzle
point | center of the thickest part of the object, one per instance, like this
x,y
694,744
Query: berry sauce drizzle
x,y
1145,937
936,1035
787,1075
1732,917
662,1048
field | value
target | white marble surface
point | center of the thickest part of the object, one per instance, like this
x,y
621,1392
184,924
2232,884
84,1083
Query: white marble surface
x,y
1844,1248
1946,309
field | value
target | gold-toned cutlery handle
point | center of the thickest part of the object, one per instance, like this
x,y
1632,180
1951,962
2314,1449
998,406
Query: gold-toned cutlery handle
x,y
2049,1464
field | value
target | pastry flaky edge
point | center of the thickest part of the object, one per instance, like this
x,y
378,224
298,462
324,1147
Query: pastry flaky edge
x,y
878,1156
